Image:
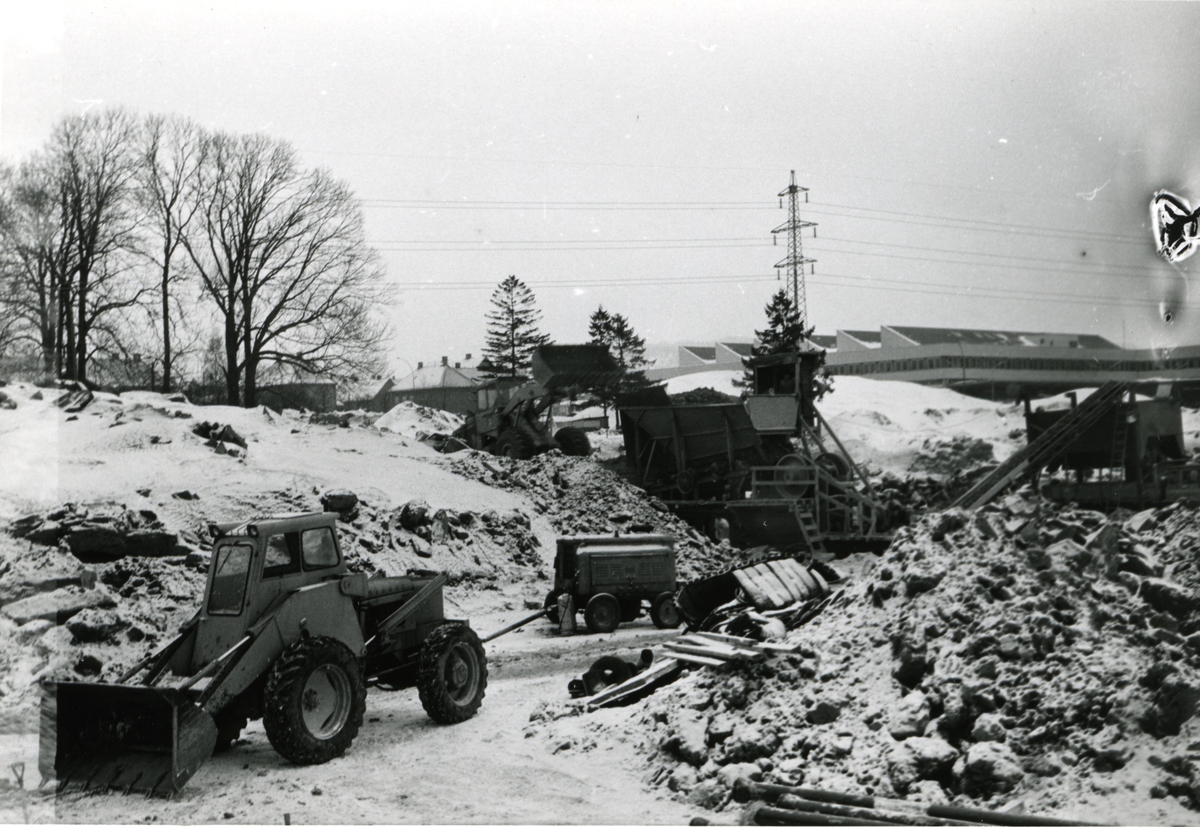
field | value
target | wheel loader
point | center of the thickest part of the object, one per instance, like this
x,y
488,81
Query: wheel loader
x,y
286,633
513,421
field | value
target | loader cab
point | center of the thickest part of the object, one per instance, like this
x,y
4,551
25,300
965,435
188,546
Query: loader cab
x,y
255,565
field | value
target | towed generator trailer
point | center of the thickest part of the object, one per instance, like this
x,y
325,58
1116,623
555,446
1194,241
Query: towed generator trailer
x,y
285,633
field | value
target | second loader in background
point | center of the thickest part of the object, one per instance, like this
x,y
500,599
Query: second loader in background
x,y
513,420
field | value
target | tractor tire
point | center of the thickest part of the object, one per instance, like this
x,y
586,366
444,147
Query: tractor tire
x,y
664,612
603,613
514,445
229,727
573,442
551,607
607,671
452,675
314,701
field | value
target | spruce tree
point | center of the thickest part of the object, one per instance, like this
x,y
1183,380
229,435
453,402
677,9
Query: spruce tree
x,y
613,331
783,334
512,330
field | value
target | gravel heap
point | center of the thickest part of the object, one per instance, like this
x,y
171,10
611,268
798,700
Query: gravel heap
x,y
578,496
1027,650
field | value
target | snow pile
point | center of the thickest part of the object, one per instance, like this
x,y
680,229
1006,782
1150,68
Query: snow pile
x,y
891,426
1021,652
412,420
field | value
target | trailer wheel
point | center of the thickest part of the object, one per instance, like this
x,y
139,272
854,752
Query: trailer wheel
x,y
603,613
551,607
514,445
664,612
453,673
314,701
573,442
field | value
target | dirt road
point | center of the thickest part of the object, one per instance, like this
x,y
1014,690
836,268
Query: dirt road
x,y
405,769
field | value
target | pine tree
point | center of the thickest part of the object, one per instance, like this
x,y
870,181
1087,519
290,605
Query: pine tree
x,y
512,331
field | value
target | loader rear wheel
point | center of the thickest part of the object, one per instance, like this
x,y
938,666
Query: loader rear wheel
x,y
603,613
551,607
514,445
314,701
453,673
573,442
664,612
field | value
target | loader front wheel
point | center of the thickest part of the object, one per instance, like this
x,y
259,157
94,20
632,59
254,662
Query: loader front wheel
x,y
314,701
452,674
514,445
573,442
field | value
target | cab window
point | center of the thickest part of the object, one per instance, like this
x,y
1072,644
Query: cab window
x,y
320,551
229,579
283,555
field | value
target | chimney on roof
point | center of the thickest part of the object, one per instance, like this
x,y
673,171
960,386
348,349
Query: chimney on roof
x,y
467,358
420,365
458,364
445,361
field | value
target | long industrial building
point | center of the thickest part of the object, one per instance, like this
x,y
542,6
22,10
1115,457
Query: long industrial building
x,y
1003,364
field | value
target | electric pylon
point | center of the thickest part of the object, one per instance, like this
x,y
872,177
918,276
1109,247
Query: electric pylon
x,y
793,265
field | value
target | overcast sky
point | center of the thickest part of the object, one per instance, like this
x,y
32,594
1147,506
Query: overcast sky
x,y
983,164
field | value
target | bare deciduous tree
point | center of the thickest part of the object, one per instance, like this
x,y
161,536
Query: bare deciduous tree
x,y
172,154
93,164
281,252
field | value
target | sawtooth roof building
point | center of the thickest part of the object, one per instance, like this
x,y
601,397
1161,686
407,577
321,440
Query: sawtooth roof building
x,y
995,364
1003,364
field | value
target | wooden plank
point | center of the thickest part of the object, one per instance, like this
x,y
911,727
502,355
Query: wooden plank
x,y
659,671
731,640
786,648
710,645
698,659
709,652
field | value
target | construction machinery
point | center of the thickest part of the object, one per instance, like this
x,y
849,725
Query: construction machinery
x,y
286,632
609,577
513,419
766,470
1113,449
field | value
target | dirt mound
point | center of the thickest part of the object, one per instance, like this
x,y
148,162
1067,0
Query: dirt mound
x,y
1024,651
580,497
956,454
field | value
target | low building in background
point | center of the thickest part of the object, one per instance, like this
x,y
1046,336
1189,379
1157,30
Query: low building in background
x,y
312,396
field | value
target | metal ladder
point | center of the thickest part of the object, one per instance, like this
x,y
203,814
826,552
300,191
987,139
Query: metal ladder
x,y
1054,441
810,532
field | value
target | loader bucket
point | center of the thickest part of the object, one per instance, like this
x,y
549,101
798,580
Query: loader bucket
x,y
129,738
555,366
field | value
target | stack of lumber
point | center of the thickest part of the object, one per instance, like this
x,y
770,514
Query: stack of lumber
x,y
713,649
